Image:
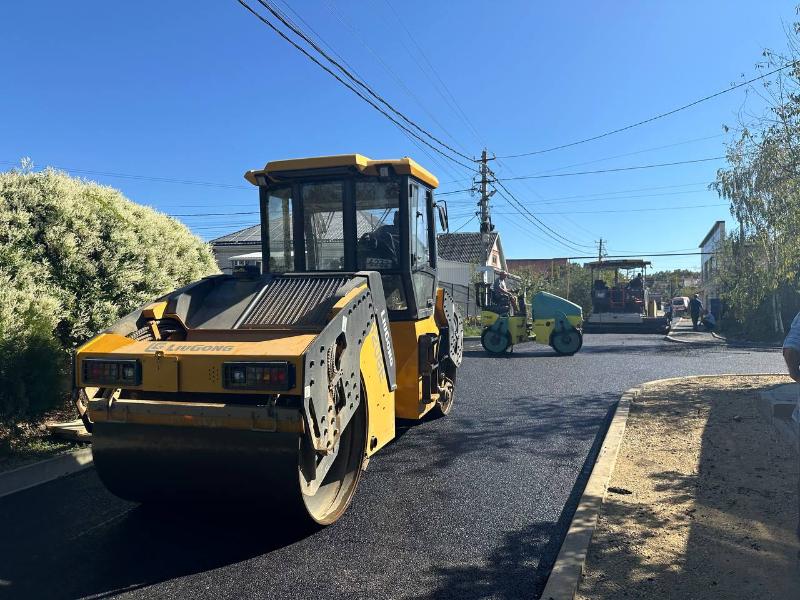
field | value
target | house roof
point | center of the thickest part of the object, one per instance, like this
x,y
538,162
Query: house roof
x,y
244,237
327,229
466,247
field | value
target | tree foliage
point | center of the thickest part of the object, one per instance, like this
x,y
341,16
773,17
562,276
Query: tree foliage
x,y
758,264
74,257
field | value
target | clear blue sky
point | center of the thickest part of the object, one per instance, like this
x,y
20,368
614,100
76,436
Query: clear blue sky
x,y
202,91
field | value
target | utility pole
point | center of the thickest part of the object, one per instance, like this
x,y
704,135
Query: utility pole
x,y
600,250
486,219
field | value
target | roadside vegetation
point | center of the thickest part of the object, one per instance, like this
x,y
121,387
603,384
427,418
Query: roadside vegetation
x,y
74,257
758,266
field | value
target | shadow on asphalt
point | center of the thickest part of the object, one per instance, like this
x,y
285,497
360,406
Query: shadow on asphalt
x,y
521,564
144,546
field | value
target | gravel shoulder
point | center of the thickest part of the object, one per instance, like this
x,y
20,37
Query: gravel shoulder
x,y
703,499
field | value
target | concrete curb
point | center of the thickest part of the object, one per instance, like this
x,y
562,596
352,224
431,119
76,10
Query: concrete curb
x,y
566,573
669,338
47,470
747,344
565,576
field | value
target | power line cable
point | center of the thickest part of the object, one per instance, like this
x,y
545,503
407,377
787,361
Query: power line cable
x,y
444,167
643,151
653,118
454,192
630,210
143,177
446,95
297,31
533,219
536,193
629,190
357,32
616,170
464,224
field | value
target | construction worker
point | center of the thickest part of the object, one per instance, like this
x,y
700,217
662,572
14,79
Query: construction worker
x,y
500,290
791,354
636,283
695,309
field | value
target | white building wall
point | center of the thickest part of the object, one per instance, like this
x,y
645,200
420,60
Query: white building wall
x,y
223,255
451,271
708,263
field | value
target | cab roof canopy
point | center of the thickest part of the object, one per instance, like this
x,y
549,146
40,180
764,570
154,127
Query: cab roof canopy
x,y
635,263
342,164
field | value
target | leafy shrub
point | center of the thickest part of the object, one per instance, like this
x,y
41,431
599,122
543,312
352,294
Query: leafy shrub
x,y
74,257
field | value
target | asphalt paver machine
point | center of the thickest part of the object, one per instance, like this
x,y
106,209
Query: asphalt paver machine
x,y
551,320
621,301
275,385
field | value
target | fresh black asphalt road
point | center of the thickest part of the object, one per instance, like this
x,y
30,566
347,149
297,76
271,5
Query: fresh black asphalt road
x,y
473,505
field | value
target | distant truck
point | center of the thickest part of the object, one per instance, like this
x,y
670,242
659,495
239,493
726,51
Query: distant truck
x,y
680,305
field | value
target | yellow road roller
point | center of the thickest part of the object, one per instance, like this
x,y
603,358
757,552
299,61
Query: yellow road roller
x,y
275,384
551,320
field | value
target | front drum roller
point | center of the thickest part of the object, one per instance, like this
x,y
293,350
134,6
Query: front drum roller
x,y
495,342
567,342
167,464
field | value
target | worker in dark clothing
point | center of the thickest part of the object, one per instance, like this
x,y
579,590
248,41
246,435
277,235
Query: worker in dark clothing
x,y
695,309
636,283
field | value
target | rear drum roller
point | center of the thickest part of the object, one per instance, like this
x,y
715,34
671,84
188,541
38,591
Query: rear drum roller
x,y
332,498
447,390
567,342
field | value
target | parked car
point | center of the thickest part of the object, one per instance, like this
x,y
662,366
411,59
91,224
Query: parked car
x,y
680,305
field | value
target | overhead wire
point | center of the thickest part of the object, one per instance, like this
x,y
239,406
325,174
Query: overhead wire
x,y
637,152
464,224
536,193
357,33
616,170
143,177
446,95
653,118
533,219
356,81
631,210
443,166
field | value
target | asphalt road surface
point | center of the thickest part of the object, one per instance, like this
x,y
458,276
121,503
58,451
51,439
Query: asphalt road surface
x,y
474,505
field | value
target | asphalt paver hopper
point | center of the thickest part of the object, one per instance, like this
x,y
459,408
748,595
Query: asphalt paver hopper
x,y
274,385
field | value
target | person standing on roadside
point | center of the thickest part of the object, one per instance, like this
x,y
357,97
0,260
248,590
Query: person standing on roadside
x,y
695,309
791,354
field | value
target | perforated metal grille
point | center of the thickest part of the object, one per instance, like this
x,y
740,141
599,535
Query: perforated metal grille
x,y
286,301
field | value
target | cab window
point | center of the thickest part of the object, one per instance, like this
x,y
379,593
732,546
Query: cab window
x,y
378,225
279,221
323,220
422,275
419,226
378,230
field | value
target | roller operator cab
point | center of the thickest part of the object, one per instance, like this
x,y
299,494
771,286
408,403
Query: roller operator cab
x,y
276,386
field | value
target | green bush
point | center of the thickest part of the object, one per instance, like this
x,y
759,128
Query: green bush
x,y
74,257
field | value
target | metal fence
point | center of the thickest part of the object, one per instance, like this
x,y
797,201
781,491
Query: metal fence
x,y
464,297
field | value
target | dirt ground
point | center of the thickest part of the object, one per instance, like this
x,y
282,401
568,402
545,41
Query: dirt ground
x,y
702,502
